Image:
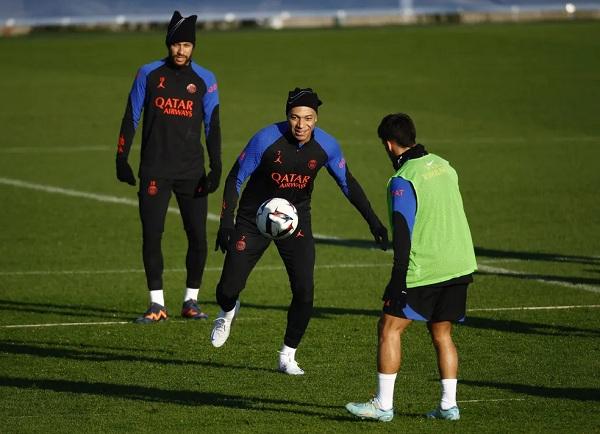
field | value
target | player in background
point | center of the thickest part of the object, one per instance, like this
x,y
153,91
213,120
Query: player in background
x,y
433,265
177,97
281,160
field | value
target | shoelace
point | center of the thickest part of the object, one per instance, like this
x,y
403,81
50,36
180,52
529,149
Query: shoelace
x,y
220,324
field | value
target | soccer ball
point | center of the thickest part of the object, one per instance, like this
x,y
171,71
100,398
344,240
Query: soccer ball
x,y
277,218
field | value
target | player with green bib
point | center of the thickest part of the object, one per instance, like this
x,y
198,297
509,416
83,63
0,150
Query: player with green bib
x,y
433,265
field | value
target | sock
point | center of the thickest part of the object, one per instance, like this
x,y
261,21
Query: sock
x,y
157,296
385,390
230,314
191,294
448,393
288,352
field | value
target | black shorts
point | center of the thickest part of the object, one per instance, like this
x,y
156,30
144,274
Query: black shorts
x,y
430,303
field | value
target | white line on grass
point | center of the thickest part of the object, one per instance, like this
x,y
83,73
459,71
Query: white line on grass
x,y
497,309
82,194
63,324
103,198
506,272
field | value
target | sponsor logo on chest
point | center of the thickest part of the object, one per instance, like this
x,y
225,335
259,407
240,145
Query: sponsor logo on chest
x,y
290,180
175,106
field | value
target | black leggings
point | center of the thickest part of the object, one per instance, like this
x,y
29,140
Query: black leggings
x,y
298,254
154,196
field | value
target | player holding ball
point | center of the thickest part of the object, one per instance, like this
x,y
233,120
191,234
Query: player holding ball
x,y
281,161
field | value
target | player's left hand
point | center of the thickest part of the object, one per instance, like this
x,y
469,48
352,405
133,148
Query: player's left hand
x,y
380,234
124,171
224,234
207,184
201,189
212,181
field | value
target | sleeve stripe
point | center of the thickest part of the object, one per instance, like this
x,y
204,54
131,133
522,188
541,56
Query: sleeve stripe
x,y
404,200
336,163
211,98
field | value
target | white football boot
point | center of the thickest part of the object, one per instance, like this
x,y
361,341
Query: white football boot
x,y
222,327
288,365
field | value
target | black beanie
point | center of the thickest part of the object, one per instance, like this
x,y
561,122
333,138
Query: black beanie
x,y
302,98
181,29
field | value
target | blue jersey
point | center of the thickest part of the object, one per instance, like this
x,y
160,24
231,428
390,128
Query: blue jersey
x,y
176,102
274,164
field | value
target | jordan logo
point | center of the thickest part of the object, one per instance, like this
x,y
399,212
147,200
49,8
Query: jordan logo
x,y
278,158
161,84
299,234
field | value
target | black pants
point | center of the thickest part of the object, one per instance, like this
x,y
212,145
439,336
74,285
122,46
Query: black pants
x,y
298,254
154,196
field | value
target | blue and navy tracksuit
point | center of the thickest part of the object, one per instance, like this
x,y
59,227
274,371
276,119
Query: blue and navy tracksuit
x,y
176,102
274,164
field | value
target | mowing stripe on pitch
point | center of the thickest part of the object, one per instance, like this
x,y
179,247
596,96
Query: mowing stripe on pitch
x,y
52,149
490,400
495,309
214,217
484,268
350,142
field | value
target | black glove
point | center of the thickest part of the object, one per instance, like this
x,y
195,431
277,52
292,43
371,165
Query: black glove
x,y
380,234
395,296
212,181
124,172
207,184
223,236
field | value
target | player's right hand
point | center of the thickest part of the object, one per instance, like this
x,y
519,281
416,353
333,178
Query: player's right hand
x,y
124,171
380,234
223,236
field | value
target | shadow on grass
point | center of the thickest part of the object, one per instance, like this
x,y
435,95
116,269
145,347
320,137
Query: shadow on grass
x,y
503,254
179,397
54,350
573,393
481,252
79,310
512,326
318,312
533,256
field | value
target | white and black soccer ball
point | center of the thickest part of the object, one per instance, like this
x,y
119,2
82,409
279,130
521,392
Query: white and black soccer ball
x,y
277,218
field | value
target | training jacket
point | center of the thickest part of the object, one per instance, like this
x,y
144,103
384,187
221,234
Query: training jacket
x,y
176,101
278,166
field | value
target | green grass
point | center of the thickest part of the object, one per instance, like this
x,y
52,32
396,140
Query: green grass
x,y
513,107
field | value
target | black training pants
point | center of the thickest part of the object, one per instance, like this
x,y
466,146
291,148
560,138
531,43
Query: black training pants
x,y
298,254
154,196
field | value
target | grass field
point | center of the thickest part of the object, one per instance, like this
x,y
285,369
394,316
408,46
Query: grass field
x,y
513,107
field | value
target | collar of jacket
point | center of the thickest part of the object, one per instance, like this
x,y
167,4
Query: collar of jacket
x,y
416,151
171,65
